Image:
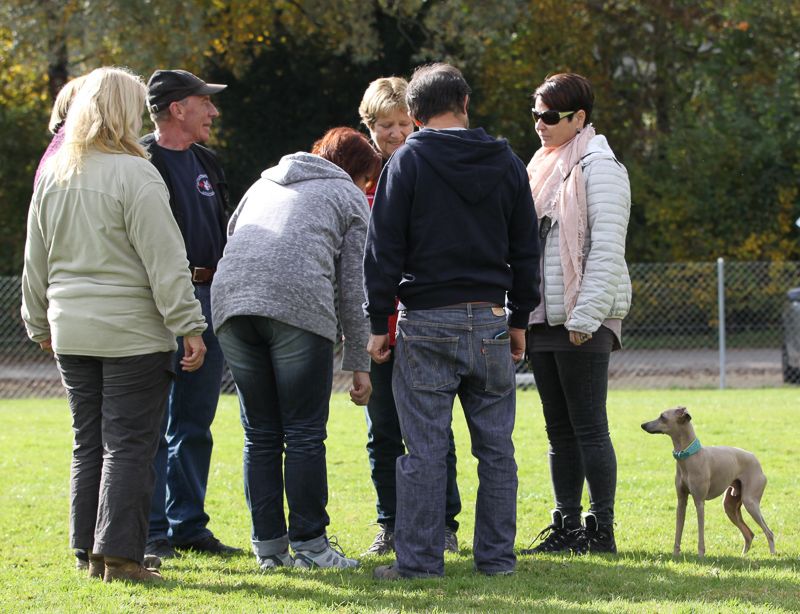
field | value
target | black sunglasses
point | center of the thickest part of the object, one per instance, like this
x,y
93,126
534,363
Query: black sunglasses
x,y
550,117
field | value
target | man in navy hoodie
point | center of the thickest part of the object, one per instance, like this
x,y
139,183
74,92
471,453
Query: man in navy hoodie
x,y
453,234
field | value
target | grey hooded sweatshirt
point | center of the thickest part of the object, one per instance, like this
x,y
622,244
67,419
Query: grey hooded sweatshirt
x,y
298,233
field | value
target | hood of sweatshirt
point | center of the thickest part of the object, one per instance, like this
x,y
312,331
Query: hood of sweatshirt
x,y
471,162
302,166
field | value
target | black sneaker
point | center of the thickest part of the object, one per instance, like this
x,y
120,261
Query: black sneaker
x,y
556,537
450,540
208,545
595,538
160,548
383,542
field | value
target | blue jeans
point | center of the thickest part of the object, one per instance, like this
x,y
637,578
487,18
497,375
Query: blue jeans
x,y
385,445
177,511
442,353
283,376
573,388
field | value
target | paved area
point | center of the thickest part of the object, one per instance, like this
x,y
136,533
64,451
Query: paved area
x,y
629,369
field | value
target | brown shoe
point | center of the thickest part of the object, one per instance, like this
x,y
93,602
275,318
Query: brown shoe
x,y
97,565
125,569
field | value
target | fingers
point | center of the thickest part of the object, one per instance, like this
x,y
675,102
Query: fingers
x,y
361,390
378,348
517,336
194,353
578,338
360,396
380,356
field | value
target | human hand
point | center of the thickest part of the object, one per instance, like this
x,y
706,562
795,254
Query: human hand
x,y
578,338
517,336
46,345
194,353
361,389
378,348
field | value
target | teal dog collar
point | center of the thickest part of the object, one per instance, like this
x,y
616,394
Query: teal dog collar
x,y
693,448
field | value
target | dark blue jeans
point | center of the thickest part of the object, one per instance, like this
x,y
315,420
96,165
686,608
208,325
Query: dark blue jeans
x,y
442,353
573,388
385,445
182,463
283,376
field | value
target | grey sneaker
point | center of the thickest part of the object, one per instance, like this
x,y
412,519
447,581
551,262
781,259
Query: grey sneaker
x,y
450,540
383,542
282,559
330,556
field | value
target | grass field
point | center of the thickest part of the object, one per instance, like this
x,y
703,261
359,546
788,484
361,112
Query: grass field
x,y
36,565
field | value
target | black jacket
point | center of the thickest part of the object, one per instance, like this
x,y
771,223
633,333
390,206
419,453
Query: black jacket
x,y
215,175
453,221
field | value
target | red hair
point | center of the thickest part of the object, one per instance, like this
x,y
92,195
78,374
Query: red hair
x,y
351,151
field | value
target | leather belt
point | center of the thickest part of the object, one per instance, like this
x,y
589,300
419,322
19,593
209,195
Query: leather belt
x,y
201,275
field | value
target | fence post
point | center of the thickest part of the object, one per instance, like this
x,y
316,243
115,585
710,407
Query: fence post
x,y
721,317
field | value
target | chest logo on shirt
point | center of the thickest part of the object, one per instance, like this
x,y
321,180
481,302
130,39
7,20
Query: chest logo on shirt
x,y
204,185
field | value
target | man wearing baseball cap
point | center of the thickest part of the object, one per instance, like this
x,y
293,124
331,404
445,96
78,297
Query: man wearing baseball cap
x,y
182,111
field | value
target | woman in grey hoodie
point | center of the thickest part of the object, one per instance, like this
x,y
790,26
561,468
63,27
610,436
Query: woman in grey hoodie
x,y
291,270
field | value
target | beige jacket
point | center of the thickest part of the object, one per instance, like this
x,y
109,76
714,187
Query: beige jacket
x,y
105,265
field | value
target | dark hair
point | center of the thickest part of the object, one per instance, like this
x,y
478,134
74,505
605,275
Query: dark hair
x,y
435,89
351,151
566,91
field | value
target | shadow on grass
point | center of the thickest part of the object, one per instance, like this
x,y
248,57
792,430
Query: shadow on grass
x,y
551,582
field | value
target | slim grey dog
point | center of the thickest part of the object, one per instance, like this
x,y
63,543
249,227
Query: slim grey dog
x,y
706,473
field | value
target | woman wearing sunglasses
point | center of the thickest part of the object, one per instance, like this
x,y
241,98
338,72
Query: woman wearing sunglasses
x,y
582,197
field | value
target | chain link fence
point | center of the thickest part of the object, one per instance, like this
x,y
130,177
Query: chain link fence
x,y
671,338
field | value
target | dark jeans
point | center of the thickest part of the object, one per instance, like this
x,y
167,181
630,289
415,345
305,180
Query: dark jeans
x,y
573,388
385,445
117,405
442,353
184,452
283,376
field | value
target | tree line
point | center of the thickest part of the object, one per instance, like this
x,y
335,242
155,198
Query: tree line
x,y
700,98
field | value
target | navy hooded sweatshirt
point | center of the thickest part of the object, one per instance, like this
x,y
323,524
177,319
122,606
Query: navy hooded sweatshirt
x,y
453,222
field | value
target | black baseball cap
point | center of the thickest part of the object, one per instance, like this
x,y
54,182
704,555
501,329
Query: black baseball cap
x,y
167,86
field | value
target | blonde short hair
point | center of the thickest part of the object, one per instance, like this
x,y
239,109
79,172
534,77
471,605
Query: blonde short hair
x,y
383,96
106,116
63,102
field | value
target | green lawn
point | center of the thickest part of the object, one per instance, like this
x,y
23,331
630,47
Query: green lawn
x,y
36,566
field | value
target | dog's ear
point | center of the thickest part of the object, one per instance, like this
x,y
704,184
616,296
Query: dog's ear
x,y
683,415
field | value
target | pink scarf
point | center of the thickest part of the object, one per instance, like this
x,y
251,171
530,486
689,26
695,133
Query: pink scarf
x,y
559,192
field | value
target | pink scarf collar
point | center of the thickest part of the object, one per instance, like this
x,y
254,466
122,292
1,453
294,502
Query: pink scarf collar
x,y
559,192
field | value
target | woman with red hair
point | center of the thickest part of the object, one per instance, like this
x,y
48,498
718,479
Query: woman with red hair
x,y
291,271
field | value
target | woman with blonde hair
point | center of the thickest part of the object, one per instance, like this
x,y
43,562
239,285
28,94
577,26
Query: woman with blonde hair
x,y
106,287
384,112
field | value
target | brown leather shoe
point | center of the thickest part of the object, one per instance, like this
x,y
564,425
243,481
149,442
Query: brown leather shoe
x,y
125,569
97,565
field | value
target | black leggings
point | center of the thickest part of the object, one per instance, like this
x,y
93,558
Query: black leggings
x,y
573,386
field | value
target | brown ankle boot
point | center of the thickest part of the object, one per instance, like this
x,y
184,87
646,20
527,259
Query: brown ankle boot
x,y
125,569
97,565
